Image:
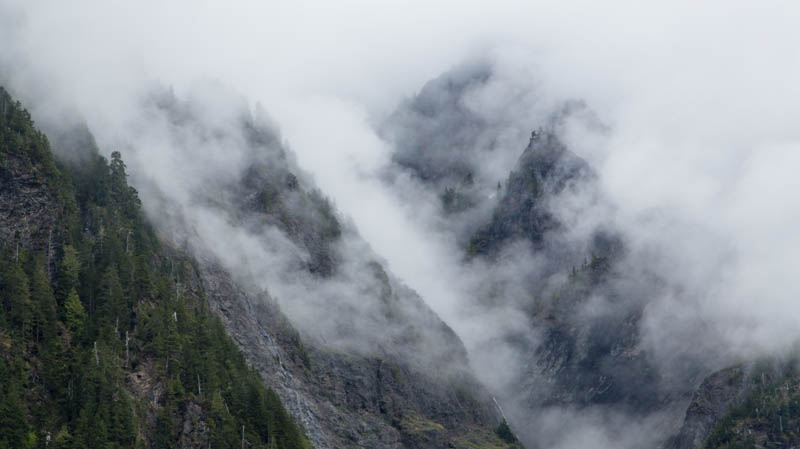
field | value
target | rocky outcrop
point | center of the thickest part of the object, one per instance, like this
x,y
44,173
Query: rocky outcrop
x,y
712,400
438,138
28,210
544,170
351,400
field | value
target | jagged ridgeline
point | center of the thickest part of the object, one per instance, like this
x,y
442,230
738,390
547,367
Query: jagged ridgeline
x,y
578,345
103,341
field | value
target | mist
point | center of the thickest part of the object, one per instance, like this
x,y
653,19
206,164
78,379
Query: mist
x,y
695,157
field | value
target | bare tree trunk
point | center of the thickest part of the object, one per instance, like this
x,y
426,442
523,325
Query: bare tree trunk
x,y
127,350
49,254
96,358
199,390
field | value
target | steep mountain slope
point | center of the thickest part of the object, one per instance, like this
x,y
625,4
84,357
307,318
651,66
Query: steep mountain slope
x,y
763,408
714,398
586,358
544,170
99,345
438,137
371,365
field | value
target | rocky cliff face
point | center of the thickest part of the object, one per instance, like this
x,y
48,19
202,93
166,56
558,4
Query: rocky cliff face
x,y
29,210
711,402
544,170
351,400
439,137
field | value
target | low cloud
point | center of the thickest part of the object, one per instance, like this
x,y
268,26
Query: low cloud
x,y
692,133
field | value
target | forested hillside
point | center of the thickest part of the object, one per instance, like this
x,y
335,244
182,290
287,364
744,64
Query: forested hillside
x,y
101,342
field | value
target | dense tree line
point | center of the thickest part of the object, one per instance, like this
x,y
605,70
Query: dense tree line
x,y
107,308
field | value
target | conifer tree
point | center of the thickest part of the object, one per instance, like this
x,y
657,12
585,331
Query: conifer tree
x,y
67,272
43,302
16,298
74,313
113,310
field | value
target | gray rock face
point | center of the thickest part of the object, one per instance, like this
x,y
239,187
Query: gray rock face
x,y
194,432
717,394
350,400
438,137
544,170
590,355
250,323
28,211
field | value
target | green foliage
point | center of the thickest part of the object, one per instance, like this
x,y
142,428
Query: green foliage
x,y
19,137
270,200
13,428
113,308
329,227
74,313
16,298
68,269
505,433
768,417
70,345
43,303
455,200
